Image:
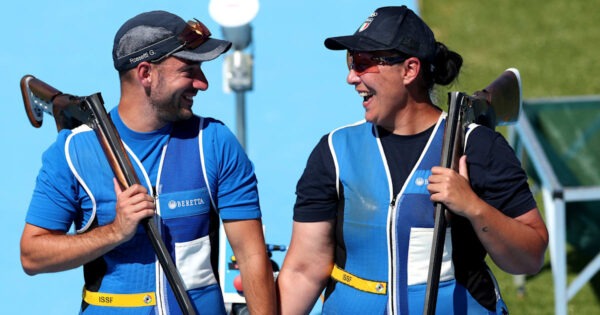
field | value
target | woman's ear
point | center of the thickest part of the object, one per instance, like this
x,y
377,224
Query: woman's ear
x,y
412,68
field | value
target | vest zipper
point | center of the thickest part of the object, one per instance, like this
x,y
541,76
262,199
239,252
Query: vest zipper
x,y
393,202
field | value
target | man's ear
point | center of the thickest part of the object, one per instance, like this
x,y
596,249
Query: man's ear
x,y
143,73
412,68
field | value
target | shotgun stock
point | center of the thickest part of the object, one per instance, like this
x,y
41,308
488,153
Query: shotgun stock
x,y
39,98
71,111
498,104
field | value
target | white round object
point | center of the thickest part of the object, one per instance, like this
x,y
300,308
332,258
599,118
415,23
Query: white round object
x,y
233,13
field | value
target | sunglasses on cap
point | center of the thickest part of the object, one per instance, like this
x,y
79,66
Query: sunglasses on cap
x,y
193,35
367,62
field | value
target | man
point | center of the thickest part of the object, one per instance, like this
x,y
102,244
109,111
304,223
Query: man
x,y
363,218
192,170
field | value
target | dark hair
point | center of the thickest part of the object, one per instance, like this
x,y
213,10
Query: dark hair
x,y
444,68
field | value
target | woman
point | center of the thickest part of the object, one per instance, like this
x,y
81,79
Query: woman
x,y
363,219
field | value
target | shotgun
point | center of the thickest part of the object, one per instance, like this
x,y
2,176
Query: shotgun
x,y
498,104
70,111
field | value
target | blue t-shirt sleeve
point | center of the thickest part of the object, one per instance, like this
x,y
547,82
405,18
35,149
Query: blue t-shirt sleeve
x,y
496,174
236,194
53,203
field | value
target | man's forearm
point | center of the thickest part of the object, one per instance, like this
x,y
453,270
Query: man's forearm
x,y
52,251
258,284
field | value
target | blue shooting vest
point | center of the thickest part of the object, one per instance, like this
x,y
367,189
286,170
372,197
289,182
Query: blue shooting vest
x,y
186,219
384,241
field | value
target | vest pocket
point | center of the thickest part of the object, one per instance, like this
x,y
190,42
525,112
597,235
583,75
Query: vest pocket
x,y
193,262
419,252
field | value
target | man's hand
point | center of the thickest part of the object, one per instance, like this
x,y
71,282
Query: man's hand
x,y
44,250
133,205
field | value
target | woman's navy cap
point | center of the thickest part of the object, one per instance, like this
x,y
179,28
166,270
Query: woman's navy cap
x,y
390,28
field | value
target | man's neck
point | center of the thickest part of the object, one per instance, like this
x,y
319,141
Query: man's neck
x,y
139,117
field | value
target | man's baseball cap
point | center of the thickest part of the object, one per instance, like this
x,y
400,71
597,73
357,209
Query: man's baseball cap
x,y
155,35
390,28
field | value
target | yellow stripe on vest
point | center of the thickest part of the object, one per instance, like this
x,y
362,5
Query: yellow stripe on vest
x,y
375,287
119,300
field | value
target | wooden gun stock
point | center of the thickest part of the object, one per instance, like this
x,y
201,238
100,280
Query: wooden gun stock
x,y
71,111
501,100
39,98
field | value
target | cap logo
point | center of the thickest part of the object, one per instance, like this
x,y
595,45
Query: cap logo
x,y
366,24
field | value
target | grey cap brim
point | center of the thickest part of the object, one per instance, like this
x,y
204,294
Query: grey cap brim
x,y
209,50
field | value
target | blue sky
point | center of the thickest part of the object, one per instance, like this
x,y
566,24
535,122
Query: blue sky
x,y
299,95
